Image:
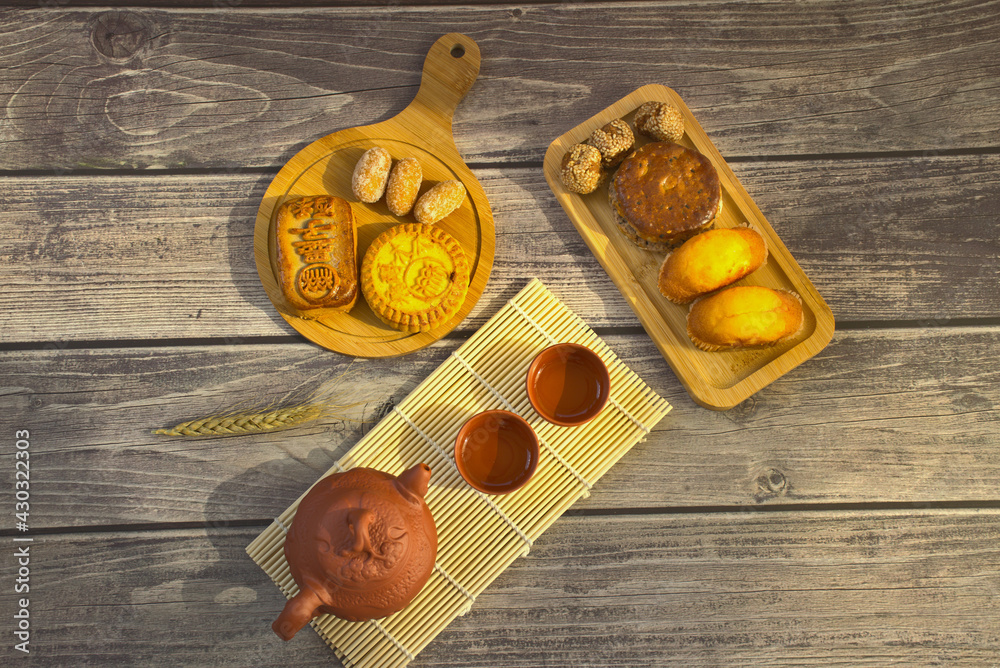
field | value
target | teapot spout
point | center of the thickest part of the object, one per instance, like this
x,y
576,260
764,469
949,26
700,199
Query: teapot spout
x,y
297,613
413,481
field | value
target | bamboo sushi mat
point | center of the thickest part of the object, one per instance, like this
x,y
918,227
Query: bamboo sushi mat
x,y
479,535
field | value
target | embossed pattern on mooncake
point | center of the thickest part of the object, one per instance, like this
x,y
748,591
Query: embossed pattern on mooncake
x,y
415,277
315,245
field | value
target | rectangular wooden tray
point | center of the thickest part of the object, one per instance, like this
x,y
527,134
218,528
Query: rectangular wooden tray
x,y
718,380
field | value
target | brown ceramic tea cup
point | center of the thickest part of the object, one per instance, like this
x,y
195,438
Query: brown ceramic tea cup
x,y
496,451
568,384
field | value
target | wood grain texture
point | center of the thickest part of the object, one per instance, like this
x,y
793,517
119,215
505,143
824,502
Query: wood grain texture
x,y
152,88
879,416
866,133
171,256
859,589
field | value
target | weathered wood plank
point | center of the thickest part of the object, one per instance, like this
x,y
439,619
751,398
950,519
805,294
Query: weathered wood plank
x,y
879,416
858,589
159,88
99,258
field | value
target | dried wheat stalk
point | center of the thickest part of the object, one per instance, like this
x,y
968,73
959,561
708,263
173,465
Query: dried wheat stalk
x,y
246,423
267,418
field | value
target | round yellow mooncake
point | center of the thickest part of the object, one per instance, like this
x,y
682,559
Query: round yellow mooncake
x,y
415,277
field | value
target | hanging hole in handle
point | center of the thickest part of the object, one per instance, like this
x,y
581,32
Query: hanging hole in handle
x,y
457,51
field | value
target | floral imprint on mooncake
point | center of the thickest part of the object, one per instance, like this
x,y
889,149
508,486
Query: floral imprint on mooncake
x,y
415,277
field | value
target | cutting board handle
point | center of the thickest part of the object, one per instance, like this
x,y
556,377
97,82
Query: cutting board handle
x,y
450,69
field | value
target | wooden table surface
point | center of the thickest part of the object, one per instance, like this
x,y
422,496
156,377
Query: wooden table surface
x,y
847,514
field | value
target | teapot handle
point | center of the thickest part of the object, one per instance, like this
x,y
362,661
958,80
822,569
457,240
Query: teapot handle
x,y
297,613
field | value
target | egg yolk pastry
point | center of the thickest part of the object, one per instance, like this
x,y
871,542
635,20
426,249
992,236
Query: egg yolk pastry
x,y
744,316
710,261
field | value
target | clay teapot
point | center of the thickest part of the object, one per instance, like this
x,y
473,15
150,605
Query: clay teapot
x,y
361,546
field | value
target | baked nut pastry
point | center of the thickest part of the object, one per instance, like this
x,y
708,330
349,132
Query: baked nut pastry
x,y
438,202
709,261
581,170
316,246
744,316
664,193
660,120
371,174
614,140
415,277
403,186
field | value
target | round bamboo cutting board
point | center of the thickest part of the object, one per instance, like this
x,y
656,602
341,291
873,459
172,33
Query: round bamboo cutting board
x,y
422,131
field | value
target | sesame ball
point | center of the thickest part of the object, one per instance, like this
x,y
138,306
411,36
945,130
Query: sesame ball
x,y
613,141
643,113
660,120
438,202
371,174
581,169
